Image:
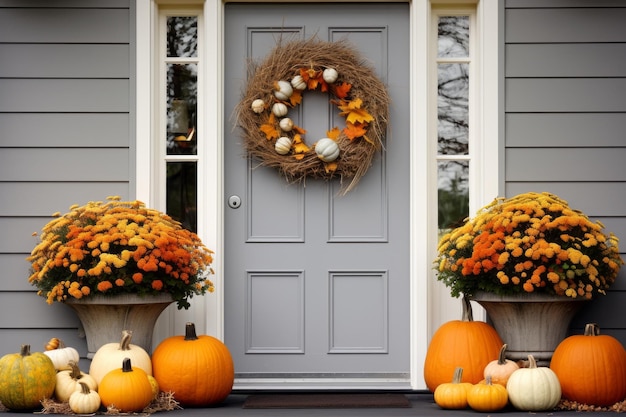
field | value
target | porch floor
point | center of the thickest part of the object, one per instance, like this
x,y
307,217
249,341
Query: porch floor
x,y
422,404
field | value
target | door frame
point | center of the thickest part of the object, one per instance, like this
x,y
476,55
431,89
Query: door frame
x,y
209,314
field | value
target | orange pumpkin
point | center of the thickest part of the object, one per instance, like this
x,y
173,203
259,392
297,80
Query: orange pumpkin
x,y
127,388
453,395
591,368
487,397
500,369
464,343
199,370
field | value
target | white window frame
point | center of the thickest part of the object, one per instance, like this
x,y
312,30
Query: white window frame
x,y
484,185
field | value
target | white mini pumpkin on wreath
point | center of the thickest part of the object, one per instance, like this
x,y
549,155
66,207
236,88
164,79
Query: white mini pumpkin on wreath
x,y
278,85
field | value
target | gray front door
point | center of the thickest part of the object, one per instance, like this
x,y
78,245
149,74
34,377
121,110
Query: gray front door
x,y
317,284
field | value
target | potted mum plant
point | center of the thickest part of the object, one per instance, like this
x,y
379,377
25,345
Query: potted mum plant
x,y
122,260
537,252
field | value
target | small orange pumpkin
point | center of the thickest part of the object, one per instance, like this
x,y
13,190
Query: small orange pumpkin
x,y
127,388
501,368
487,397
199,370
453,395
464,343
599,374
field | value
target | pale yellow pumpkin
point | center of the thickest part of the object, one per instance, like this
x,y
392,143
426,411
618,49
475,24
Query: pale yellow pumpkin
x,y
84,400
68,382
111,355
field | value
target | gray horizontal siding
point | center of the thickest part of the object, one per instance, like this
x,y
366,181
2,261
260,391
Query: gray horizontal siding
x,y
66,137
43,198
64,60
538,130
63,95
64,25
565,111
566,164
565,95
565,24
565,60
65,130
68,164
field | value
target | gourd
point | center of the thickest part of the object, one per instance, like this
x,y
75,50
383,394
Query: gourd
x,y
85,400
327,149
487,397
283,90
110,356
453,395
466,343
68,381
534,388
61,355
26,379
198,369
127,388
279,109
286,124
330,75
501,368
258,105
283,145
298,83
155,386
599,375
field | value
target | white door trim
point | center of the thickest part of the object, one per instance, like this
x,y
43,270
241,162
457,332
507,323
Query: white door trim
x,y
421,174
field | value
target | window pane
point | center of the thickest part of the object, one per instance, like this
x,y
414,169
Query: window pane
x,y
452,109
453,193
453,37
182,193
182,36
182,100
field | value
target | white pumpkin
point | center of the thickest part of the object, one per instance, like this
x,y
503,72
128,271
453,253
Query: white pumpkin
x,y
330,75
68,382
534,388
258,105
84,400
327,149
283,145
109,357
298,83
279,109
283,90
286,124
62,356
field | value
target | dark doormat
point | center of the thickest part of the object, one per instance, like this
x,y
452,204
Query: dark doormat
x,y
330,400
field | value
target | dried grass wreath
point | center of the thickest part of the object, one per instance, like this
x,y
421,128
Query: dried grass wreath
x,y
277,84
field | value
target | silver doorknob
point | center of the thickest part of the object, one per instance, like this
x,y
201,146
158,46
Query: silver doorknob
x,y
234,201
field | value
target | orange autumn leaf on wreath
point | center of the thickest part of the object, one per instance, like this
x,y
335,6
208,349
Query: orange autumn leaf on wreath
x,y
299,147
354,113
333,134
269,128
341,91
312,78
354,131
330,167
295,98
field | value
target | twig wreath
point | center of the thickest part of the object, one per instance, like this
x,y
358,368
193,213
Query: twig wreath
x,y
277,85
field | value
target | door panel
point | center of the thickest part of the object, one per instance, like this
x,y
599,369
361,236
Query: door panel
x,y
317,284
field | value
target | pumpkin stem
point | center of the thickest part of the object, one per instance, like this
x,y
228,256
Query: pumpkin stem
x,y
467,310
25,350
61,344
84,388
592,329
488,380
502,355
532,363
126,365
458,375
125,341
190,331
75,372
